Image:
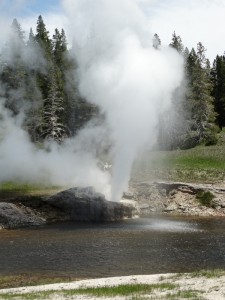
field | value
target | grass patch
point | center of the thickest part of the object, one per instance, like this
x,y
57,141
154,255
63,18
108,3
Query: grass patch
x,y
208,273
14,189
134,290
185,294
122,290
205,197
200,164
24,187
26,280
28,296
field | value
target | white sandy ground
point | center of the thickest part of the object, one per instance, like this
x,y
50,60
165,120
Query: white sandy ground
x,y
209,288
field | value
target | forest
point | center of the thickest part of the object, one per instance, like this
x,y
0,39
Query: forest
x,y
38,79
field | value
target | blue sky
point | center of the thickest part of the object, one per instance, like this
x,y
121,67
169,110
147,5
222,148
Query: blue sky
x,y
194,20
27,12
24,8
41,6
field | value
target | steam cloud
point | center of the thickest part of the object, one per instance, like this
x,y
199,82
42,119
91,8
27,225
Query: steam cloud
x,y
120,71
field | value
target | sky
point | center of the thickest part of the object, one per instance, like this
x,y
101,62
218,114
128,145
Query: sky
x,y
194,20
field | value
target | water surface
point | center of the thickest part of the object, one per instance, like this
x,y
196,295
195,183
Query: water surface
x,y
139,246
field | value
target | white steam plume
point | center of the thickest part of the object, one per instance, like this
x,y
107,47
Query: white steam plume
x,y
120,71
67,165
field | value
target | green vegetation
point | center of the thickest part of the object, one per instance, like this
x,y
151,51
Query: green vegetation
x,y
15,189
20,187
37,74
215,273
161,290
200,164
122,290
28,296
205,198
136,290
186,294
14,281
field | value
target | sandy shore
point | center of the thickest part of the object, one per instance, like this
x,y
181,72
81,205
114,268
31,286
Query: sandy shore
x,y
203,287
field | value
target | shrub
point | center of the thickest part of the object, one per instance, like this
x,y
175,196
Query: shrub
x,y
205,197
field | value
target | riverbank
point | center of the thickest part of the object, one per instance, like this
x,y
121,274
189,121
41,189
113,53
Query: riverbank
x,y
208,285
143,198
178,198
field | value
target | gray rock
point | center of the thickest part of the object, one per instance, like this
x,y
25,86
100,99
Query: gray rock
x,y
14,216
218,202
84,204
128,195
170,207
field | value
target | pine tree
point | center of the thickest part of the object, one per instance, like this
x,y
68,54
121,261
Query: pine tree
x,y
52,126
172,125
156,41
13,71
218,79
177,43
42,37
45,44
201,101
31,40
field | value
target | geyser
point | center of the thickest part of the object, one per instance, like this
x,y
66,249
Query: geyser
x,y
121,72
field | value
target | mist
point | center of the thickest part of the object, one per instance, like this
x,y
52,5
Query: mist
x,y
119,71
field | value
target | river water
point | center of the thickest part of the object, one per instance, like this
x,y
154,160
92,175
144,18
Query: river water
x,y
139,246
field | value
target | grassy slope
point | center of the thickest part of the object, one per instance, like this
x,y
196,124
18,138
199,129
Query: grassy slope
x,y
201,164
165,289
15,189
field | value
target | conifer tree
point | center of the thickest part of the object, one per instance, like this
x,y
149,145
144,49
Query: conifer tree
x,y
13,74
200,98
177,43
156,41
172,125
42,37
218,79
52,126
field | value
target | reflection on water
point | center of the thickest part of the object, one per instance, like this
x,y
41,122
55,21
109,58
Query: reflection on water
x,y
162,224
139,246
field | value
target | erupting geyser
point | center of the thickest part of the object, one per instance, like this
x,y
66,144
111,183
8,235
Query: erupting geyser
x,y
124,75
121,72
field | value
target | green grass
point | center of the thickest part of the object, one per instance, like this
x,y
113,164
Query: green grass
x,y
15,281
208,273
200,164
121,290
134,290
28,296
23,187
185,294
13,189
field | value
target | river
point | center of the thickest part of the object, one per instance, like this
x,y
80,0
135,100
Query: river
x,y
139,246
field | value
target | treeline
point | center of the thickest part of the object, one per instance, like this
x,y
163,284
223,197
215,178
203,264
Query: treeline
x,y
197,113
37,77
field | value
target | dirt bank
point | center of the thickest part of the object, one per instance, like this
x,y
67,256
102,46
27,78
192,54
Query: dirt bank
x,y
184,286
178,198
175,198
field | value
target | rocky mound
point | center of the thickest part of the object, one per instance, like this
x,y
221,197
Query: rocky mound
x,y
75,204
84,204
14,216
